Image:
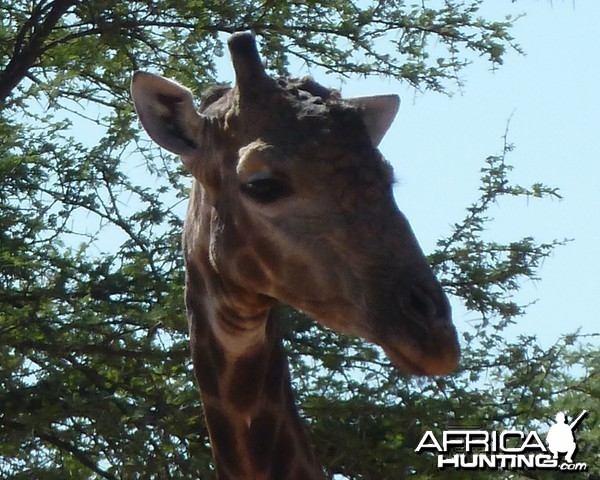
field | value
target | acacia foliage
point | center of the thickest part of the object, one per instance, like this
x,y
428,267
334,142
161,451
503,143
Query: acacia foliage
x,y
95,380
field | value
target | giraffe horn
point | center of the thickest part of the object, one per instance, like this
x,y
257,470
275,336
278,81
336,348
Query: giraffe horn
x,y
249,69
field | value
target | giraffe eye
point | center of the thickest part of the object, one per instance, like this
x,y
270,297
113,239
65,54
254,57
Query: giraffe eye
x,y
265,189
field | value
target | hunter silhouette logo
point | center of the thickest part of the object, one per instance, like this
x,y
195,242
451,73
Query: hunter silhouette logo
x,y
475,449
560,437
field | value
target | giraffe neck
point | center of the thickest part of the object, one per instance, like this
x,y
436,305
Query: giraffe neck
x,y
255,430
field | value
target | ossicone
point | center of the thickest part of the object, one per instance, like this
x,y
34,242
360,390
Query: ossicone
x,y
249,70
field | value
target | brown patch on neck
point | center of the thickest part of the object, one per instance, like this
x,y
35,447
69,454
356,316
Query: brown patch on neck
x,y
261,439
247,380
223,441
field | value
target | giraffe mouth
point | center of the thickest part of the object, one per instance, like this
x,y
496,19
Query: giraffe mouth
x,y
435,353
404,363
415,327
440,363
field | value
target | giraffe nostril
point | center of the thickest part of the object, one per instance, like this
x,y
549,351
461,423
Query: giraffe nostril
x,y
422,303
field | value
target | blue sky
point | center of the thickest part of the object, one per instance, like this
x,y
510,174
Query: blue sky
x,y
552,97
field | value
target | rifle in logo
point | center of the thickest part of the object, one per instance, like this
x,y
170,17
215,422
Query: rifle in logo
x,y
560,437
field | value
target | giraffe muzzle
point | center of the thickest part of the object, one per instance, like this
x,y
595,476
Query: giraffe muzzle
x,y
419,338
424,305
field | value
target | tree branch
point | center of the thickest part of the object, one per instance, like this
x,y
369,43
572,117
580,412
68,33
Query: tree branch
x,y
26,54
78,454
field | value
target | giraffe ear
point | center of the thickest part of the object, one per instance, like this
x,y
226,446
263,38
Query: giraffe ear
x,y
166,110
378,113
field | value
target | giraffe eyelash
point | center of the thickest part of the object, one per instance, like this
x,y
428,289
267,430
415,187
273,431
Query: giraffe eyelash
x,y
265,189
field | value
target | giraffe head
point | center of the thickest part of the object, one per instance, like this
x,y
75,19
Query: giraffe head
x,y
301,207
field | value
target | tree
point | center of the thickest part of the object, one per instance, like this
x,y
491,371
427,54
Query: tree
x,y
95,380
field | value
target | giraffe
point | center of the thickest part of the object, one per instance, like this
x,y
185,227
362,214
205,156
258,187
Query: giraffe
x,y
291,202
